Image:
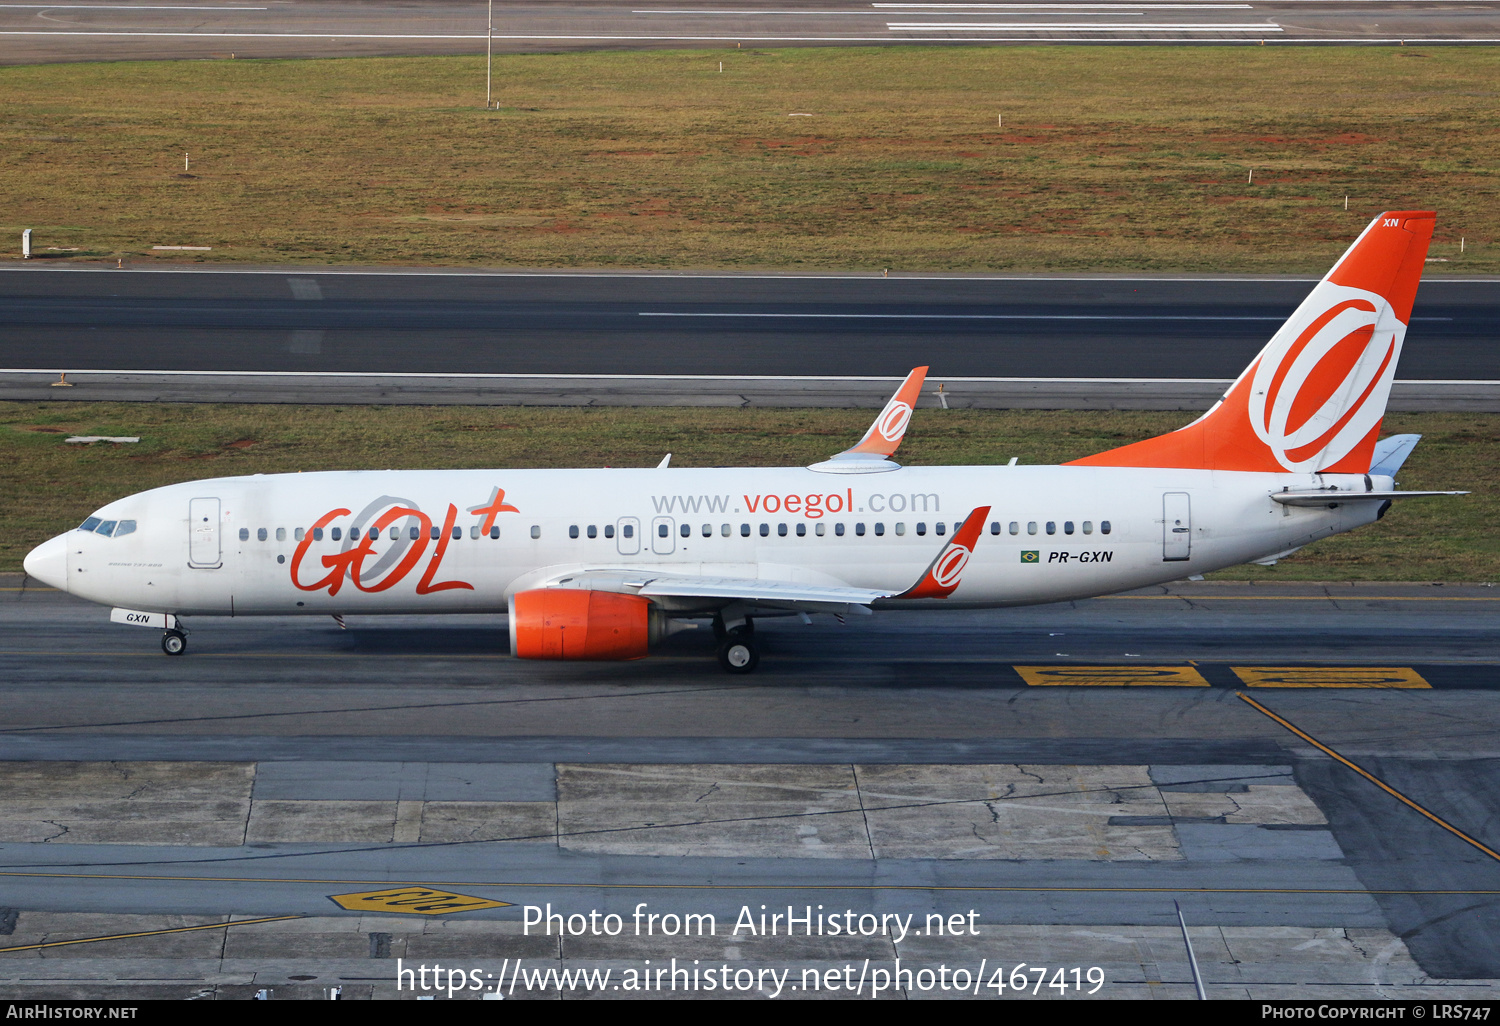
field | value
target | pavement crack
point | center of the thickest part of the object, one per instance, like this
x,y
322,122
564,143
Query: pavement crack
x,y
712,788
61,830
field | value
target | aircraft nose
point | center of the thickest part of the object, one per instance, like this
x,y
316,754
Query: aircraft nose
x,y
48,562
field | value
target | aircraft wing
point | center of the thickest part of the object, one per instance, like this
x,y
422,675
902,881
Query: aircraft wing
x,y
781,594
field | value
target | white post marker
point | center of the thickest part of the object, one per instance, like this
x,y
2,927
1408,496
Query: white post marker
x,y
26,244
489,36
184,161
1192,958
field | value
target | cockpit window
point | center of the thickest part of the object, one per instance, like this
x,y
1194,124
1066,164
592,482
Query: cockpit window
x,y
89,524
107,528
125,527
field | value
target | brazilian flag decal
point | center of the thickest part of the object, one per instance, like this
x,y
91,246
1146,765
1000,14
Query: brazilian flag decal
x,y
1031,556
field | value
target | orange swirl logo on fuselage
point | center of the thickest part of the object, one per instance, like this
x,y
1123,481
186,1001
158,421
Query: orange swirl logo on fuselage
x,y
1322,390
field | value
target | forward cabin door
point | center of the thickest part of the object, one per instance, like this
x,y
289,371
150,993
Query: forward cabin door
x,y
1176,526
203,534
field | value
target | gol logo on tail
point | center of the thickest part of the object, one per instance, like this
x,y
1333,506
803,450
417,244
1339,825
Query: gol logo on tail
x,y
1317,395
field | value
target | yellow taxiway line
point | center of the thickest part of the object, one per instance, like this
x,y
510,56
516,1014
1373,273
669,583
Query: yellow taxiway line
x,y
149,933
1387,788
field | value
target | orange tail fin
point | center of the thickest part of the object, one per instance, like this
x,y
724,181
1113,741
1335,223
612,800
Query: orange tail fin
x,y
1312,401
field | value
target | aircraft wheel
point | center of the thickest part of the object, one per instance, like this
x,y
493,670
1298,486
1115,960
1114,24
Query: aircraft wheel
x,y
738,654
174,643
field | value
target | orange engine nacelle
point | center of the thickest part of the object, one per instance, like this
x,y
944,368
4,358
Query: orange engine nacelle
x,y
569,623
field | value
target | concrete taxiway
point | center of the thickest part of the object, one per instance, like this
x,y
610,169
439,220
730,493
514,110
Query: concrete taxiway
x,y
1063,772
324,28
294,335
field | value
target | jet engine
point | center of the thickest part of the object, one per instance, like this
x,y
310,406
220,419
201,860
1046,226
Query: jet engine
x,y
570,623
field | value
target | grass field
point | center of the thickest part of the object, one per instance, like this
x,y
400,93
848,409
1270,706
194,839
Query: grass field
x,y
47,486
1109,158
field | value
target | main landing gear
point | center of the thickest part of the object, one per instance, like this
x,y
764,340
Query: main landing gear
x,y
738,652
174,642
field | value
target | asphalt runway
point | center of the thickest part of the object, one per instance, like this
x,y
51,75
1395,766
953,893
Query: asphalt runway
x,y
352,335
337,28
594,778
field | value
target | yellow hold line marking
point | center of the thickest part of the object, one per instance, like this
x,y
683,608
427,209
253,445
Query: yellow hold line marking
x,y
1388,789
1112,676
150,933
1330,677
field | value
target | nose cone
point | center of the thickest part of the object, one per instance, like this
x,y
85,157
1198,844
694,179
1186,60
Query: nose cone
x,y
48,562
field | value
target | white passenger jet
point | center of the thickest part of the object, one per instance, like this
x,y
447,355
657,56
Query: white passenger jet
x,y
602,564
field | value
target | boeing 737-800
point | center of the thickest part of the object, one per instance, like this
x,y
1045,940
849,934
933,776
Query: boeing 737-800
x,y
601,564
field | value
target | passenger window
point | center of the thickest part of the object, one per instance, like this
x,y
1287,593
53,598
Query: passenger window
x,y
838,529
627,530
661,530
89,524
536,531
820,530
1015,527
744,530
609,530
1052,527
474,531
957,526
337,533
414,532
781,530
901,528
1088,527
317,534
437,532
573,531
708,530
994,527
299,534
458,533
245,533
1104,527
921,528
1031,527
765,530
879,530
280,532
128,527
941,528
1067,527
801,530
395,533
686,530
724,530
495,531
593,531
859,529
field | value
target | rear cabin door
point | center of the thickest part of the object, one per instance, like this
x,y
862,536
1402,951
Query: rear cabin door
x,y
1176,527
203,534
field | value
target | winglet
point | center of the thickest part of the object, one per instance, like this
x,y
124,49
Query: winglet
x,y
872,452
942,575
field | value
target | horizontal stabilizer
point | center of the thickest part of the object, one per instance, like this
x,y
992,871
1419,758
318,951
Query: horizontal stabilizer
x,y
1331,497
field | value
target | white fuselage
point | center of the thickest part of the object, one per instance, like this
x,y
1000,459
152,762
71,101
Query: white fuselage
x,y
245,545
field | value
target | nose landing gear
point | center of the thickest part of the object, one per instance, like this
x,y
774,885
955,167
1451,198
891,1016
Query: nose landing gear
x,y
174,642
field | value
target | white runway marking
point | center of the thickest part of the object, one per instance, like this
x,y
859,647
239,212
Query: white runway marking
x,y
963,317
1062,26
124,7
986,317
